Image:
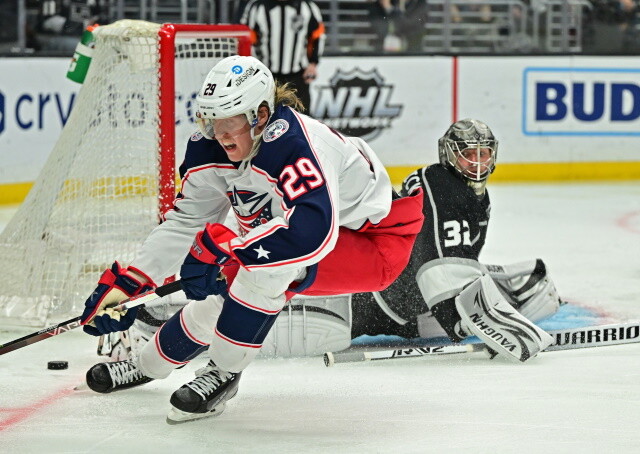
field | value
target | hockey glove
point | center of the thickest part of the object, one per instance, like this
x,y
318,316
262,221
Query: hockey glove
x,y
201,268
115,285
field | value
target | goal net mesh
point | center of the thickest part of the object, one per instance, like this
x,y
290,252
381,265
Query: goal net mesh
x,y
96,199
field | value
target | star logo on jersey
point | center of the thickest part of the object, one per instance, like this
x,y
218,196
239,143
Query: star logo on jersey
x,y
251,209
275,130
262,253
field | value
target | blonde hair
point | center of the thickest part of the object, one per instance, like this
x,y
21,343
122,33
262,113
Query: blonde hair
x,y
285,95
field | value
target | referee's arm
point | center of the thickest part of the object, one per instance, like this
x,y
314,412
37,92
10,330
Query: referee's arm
x,y
249,19
316,35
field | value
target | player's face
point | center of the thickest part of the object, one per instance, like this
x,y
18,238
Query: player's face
x,y
234,135
475,162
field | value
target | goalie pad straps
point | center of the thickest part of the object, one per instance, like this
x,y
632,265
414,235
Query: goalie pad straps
x,y
520,280
527,287
486,314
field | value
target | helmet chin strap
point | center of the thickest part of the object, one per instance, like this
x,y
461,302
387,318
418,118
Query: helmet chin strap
x,y
252,118
253,135
256,142
478,187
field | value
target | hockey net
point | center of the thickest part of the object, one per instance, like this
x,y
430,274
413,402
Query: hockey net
x,y
112,171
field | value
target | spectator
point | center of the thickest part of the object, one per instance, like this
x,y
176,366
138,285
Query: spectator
x,y
472,12
614,26
62,22
399,24
472,18
631,37
9,28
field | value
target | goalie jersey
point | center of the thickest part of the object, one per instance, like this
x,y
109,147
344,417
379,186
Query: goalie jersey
x,y
454,229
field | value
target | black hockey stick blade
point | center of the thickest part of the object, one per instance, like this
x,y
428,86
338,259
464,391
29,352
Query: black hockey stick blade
x,y
73,323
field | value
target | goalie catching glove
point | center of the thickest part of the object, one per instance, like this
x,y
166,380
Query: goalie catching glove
x,y
200,271
115,285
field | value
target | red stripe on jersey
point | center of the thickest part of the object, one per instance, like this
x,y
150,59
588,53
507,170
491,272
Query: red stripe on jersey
x,y
250,306
161,353
183,325
204,167
241,344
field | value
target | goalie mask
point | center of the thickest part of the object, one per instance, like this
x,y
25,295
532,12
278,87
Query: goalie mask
x,y
470,148
236,85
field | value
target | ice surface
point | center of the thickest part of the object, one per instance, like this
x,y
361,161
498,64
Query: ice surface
x,y
579,401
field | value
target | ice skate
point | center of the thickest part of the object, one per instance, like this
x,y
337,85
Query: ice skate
x,y
108,377
204,396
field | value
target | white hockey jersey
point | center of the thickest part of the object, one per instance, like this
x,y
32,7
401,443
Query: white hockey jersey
x,y
305,182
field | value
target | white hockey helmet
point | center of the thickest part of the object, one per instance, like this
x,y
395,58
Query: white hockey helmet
x,y
465,134
235,85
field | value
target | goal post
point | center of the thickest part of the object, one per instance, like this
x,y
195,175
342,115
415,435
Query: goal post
x,y
226,35
111,174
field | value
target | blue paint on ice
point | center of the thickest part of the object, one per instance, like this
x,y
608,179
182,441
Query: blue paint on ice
x,y
568,316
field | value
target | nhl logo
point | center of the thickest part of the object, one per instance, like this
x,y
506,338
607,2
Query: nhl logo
x,y
275,130
357,103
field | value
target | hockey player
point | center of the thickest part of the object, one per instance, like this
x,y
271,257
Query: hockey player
x,y
318,216
445,290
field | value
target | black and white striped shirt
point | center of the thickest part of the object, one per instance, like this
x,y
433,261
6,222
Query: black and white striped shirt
x,y
288,34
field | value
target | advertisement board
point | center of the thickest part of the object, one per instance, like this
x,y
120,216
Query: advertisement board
x,y
35,103
558,114
555,109
400,105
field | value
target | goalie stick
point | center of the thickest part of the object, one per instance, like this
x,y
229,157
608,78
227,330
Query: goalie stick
x,y
564,339
73,323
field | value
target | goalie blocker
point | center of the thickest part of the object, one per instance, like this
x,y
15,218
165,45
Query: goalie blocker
x,y
485,313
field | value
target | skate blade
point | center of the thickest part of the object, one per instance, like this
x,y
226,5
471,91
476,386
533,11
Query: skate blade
x,y
176,416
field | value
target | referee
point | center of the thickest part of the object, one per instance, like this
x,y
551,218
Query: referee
x,y
288,36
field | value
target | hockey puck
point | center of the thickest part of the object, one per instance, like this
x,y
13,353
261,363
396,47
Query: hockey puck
x,y
57,365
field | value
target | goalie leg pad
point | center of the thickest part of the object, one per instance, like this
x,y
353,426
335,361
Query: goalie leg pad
x,y
527,287
486,314
310,326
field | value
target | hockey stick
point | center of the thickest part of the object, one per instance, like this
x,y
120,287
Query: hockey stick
x,y
73,323
564,339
